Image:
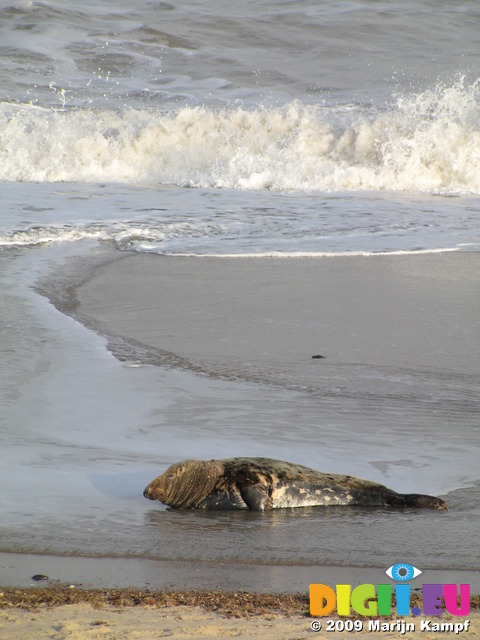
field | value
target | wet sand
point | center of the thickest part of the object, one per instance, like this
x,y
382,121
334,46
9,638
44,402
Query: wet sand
x,y
263,319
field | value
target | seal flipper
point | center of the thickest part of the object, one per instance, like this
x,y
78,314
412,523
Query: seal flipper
x,y
256,497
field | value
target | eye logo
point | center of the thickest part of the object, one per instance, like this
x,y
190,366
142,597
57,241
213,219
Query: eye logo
x,y
402,572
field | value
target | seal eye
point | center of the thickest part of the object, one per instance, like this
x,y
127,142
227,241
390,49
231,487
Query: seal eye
x,y
402,572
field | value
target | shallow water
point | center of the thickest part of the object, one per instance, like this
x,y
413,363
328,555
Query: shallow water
x,y
274,128
85,433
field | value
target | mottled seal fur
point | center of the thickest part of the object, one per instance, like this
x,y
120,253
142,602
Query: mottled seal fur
x,y
261,484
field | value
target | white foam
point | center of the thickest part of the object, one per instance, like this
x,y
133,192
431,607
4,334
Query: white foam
x,y
428,142
46,235
312,254
171,238
123,235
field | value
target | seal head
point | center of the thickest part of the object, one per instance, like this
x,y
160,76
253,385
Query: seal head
x,y
424,502
185,484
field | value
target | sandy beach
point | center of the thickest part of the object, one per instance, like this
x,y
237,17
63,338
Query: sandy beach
x,y
82,621
58,614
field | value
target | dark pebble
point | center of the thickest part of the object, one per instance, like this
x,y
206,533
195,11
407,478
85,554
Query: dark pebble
x,y
39,576
317,357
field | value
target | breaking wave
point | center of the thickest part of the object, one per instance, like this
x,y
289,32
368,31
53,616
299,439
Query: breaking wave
x,y
427,142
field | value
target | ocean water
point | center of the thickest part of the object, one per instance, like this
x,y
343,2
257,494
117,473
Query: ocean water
x,y
266,128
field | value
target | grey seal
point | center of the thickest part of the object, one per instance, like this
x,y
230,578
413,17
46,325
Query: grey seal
x,y
262,484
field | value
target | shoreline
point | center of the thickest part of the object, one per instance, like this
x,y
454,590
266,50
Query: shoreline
x,y
87,572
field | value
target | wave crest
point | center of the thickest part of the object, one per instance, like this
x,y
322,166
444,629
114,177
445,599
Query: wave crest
x,y
428,142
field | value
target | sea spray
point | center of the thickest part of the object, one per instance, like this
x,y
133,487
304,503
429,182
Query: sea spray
x,y
427,142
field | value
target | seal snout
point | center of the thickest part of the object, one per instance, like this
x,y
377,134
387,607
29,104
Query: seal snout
x,y
148,492
156,490
426,502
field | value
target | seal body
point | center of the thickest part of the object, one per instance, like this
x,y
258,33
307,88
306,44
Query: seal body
x,y
261,484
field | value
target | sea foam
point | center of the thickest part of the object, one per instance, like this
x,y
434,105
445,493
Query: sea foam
x,y
427,142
